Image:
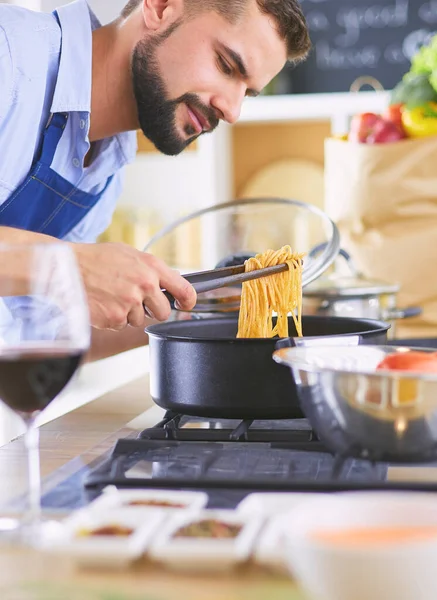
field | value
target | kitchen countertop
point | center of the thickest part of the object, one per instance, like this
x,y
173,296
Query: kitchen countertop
x,y
73,440
88,431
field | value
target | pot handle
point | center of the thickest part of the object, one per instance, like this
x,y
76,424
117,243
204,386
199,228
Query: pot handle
x,y
403,313
328,340
342,252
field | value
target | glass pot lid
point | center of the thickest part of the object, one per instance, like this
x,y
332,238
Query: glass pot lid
x,y
336,286
228,233
354,284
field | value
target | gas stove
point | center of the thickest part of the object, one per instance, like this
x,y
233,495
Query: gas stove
x,y
228,459
189,452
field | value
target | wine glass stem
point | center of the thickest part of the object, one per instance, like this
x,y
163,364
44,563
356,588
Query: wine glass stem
x,y
34,472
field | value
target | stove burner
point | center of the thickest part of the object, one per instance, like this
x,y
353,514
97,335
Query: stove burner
x,y
182,452
293,433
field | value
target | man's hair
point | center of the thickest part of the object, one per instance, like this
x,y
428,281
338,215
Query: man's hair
x,y
288,15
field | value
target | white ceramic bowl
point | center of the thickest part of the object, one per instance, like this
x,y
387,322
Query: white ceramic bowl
x,y
106,551
381,571
271,504
198,555
113,498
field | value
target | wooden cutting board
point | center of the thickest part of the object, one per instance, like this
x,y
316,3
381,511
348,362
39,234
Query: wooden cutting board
x,y
289,178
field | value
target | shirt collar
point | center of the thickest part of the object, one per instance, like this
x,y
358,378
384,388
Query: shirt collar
x,y
73,86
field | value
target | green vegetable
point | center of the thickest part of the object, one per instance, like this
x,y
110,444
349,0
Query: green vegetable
x,y
414,90
424,62
433,80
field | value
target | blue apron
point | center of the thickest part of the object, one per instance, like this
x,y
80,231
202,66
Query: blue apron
x,y
46,202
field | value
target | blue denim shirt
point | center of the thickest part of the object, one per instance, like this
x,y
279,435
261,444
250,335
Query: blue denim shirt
x,y
37,79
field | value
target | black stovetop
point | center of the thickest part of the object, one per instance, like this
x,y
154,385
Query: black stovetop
x,y
189,452
226,458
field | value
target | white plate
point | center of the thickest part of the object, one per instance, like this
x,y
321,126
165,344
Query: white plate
x,y
270,550
271,503
200,554
112,498
107,551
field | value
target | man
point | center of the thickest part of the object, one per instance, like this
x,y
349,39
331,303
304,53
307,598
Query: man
x,y
72,94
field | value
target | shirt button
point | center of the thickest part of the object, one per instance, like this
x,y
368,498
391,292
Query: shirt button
x,y
82,123
76,162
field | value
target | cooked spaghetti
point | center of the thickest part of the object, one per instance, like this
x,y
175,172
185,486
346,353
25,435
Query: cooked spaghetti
x,y
280,293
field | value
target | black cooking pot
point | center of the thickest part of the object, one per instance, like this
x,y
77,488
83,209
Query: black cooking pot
x,y
199,367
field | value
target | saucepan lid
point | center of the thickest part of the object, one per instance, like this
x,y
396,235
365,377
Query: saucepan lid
x,y
335,286
230,232
339,286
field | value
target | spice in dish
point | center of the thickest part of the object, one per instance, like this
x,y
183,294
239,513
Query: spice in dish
x,y
375,536
209,528
107,530
156,503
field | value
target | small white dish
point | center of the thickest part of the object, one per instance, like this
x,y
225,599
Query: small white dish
x,y
272,503
379,568
199,554
136,499
106,551
269,550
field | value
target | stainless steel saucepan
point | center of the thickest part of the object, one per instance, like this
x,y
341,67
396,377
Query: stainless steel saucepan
x,y
351,294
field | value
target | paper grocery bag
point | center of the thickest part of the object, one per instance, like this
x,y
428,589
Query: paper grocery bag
x,y
384,200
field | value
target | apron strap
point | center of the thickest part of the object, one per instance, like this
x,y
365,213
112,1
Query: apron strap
x,y
51,137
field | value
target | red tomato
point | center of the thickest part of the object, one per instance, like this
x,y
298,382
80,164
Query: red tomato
x,y
361,126
394,113
370,128
423,362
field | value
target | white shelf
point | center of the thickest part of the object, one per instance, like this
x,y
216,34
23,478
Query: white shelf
x,y
311,107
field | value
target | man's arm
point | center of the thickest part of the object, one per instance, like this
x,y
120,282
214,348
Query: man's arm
x,y
14,277
104,343
11,235
103,267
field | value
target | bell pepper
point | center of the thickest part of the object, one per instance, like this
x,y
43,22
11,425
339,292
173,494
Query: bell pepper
x,y
420,121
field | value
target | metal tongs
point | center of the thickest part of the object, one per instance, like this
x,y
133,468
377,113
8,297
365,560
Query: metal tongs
x,y
205,281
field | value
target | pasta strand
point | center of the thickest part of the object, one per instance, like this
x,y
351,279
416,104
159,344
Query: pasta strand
x,y
280,293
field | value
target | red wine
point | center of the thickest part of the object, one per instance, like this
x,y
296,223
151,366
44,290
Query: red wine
x,y
31,379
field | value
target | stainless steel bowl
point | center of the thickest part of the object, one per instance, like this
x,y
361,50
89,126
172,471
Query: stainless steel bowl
x,y
360,412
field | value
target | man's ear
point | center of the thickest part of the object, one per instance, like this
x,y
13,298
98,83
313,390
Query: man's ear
x,y
160,14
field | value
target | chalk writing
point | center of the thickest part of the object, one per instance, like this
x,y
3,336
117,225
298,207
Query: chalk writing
x,y
428,12
352,38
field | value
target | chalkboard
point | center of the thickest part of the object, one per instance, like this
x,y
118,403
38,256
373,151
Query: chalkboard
x,y
353,38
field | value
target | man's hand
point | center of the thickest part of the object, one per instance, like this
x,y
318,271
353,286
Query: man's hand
x,y
121,281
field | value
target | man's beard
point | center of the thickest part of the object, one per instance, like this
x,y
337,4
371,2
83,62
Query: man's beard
x,y
156,113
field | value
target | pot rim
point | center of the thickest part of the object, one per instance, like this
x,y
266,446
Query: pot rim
x,y
160,330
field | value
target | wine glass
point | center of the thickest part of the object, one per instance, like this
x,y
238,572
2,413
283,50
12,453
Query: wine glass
x,y
44,333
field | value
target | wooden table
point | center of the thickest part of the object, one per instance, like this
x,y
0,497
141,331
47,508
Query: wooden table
x,y
89,431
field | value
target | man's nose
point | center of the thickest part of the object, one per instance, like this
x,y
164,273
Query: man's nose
x,y
229,104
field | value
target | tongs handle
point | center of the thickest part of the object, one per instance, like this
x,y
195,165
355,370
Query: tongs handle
x,y
205,281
